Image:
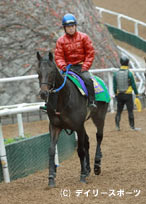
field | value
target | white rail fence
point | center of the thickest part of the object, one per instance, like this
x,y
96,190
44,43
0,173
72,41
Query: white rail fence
x,y
120,17
3,158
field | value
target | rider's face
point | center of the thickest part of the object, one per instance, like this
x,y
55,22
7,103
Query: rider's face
x,y
70,29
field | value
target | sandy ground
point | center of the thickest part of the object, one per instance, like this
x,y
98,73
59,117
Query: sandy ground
x,y
132,8
123,169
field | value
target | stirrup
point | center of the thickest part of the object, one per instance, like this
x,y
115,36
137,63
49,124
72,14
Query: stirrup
x,y
92,105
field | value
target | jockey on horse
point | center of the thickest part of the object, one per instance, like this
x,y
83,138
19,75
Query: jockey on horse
x,y
76,48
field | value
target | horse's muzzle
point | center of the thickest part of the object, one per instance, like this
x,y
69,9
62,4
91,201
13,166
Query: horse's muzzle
x,y
44,94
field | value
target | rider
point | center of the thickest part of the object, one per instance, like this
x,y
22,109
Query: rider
x,y
123,85
76,48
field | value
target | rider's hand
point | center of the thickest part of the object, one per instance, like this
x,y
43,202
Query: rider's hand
x,y
83,70
64,69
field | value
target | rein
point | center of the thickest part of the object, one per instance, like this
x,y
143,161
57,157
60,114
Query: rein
x,y
65,78
63,84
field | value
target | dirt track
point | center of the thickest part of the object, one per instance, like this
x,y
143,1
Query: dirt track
x,y
123,168
135,9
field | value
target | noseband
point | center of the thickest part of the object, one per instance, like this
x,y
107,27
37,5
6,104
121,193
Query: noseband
x,y
49,84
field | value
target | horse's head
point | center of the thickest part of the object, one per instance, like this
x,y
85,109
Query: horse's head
x,y
46,74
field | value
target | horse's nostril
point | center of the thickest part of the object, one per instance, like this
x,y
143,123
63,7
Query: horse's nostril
x,y
43,94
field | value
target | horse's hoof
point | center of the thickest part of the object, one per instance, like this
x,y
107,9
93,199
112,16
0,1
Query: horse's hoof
x,y
97,169
83,179
88,172
51,183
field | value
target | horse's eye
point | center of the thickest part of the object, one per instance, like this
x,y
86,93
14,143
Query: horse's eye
x,y
39,76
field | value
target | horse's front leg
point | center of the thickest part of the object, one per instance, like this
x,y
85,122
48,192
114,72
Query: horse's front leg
x,y
54,134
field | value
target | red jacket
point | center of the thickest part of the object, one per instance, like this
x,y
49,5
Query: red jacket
x,y
74,50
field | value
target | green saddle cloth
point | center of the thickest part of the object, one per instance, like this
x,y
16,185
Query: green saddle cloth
x,y
100,88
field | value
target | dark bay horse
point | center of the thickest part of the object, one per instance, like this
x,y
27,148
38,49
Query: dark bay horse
x,y
70,112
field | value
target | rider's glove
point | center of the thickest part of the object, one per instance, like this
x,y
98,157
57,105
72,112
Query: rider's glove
x,y
64,69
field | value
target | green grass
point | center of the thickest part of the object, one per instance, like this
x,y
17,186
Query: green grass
x,y
16,139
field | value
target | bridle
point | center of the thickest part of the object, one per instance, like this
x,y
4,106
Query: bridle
x,y
52,90
48,85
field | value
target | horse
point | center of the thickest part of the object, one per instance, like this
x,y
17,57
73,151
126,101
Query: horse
x,y
70,113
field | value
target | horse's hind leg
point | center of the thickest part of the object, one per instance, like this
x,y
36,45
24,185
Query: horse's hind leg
x,y
98,154
82,153
98,120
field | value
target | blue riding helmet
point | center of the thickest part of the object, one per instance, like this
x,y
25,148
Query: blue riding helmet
x,y
68,20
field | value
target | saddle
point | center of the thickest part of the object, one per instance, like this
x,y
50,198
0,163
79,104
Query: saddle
x,y
100,88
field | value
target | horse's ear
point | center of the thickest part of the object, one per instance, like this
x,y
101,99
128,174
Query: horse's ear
x,y
50,56
39,56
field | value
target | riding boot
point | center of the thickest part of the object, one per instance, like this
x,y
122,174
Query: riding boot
x,y
91,95
90,88
117,121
